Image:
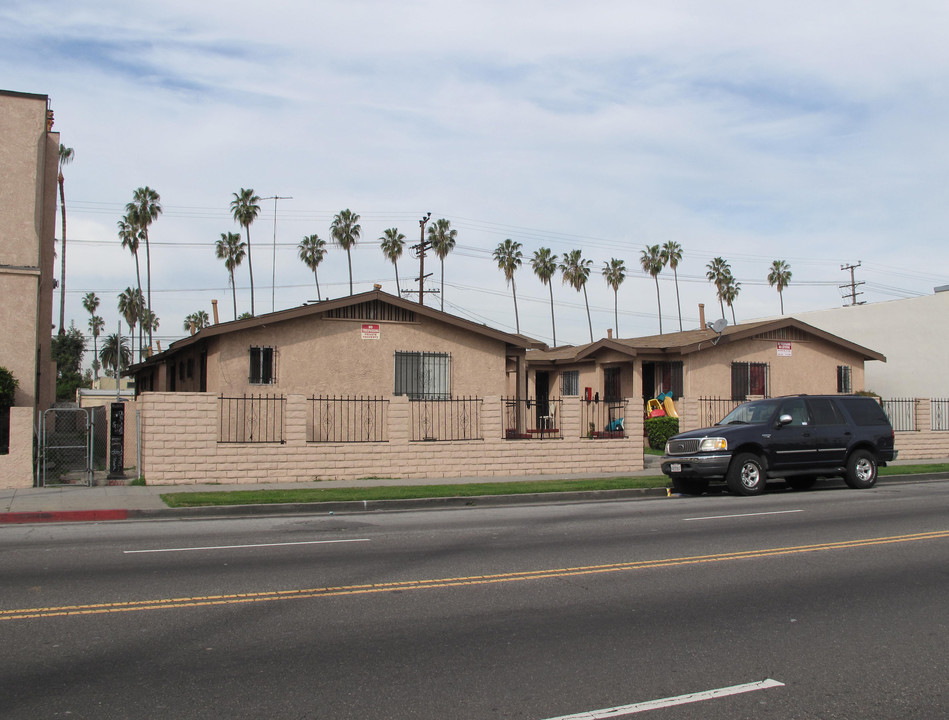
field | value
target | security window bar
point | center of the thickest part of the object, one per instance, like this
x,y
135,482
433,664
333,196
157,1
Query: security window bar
x,y
262,366
844,379
570,382
749,379
423,375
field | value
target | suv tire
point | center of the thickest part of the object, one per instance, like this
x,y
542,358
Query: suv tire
x,y
690,486
861,470
746,475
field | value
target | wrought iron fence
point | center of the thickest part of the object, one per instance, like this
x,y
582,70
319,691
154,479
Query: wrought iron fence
x,y
603,419
252,419
348,419
713,409
902,413
532,419
449,419
939,413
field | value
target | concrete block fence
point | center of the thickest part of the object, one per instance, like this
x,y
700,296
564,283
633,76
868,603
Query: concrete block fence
x,y
180,445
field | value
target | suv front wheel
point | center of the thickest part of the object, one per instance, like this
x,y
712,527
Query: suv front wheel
x,y
746,475
861,470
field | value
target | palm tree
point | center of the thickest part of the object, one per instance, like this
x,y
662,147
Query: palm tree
x,y
66,156
615,272
144,210
730,292
780,275
312,251
231,249
148,321
393,243
199,318
671,255
115,354
345,232
130,234
245,207
91,303
442,239
544,263
131,307
652,263
96,326
718,271
576,272
508,257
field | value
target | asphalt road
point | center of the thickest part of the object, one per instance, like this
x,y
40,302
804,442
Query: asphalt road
x,y
825,604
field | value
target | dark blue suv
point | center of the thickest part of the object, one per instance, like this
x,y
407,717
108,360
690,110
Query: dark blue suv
x,y
798,438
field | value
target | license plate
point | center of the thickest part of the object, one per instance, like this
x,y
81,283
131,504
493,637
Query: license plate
x,y
675,467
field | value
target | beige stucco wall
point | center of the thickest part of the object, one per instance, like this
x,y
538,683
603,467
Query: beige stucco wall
x,y
329,357
16,468
811,368
180,433
28,165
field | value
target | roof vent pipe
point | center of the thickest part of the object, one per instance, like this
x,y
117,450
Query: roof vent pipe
x,y
214,311
609,333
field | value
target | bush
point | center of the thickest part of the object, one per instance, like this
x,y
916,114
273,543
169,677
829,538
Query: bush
x,y
8,386
660,429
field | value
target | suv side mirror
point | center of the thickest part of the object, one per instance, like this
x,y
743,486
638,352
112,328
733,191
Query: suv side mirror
x,y
785,419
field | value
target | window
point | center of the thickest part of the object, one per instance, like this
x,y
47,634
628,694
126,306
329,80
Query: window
x,y
423,375
612,387
570,382
261,366
843,379
749,379
662,377
823,411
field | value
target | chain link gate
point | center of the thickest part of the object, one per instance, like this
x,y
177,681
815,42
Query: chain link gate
x,y
66,444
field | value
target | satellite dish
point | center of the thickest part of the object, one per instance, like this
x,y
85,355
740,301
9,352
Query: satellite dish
x,y
719,325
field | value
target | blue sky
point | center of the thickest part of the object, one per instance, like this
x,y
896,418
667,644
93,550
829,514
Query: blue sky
x,y
803,131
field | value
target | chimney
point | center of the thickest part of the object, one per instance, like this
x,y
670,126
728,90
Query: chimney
x,y
214,311
609,333
701,316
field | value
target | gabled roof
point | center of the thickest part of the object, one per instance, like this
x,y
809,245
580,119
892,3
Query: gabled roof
x,y
691,341
329,306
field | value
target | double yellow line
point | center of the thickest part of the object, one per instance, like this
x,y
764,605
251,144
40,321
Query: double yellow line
x,y
238,598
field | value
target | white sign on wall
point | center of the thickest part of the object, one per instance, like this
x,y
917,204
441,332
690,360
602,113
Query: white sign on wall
x,y
784,349
371,331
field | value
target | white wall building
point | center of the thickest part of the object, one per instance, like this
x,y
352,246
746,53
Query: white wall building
x,y
913,334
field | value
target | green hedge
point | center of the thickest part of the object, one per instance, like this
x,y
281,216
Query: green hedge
x,y
8,386
660,429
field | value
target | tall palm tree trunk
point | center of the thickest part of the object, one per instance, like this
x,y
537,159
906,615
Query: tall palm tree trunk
x,y
250,268
62,278
678,304
616,312
781,295
234,293
517,322
443,285
349,259
148,280
317,279
553,323
398,288
587,303
658,303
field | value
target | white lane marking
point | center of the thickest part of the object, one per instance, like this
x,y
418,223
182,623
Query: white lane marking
x,y
725,517
235,547
615,712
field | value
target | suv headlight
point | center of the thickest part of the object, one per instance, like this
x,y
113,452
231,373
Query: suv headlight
x,y
713,444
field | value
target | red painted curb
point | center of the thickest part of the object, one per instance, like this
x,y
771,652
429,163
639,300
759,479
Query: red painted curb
x,y
63,516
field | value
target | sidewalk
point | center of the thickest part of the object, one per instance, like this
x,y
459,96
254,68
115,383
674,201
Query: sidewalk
x,y
120,502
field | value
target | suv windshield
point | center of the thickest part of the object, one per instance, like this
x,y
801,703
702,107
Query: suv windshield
x,y
759,411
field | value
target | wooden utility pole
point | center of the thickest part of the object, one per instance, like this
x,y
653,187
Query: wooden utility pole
x,y
421,259
852,284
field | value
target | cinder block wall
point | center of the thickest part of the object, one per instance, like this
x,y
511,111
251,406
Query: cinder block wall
x,y
180,446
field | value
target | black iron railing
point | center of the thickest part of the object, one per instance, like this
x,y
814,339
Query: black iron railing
x,y
450,419
902,413
939,413
713,409
348,419
531,419
252,419
603,419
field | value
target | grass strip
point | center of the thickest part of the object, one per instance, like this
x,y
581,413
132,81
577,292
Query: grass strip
x,y
404,492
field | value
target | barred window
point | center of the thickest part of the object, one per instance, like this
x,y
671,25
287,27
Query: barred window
x,y
749,379
843,379
261,366
570,382
423,375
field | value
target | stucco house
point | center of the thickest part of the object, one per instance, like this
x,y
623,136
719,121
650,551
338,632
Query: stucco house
x,y
29,157
370,344
773,357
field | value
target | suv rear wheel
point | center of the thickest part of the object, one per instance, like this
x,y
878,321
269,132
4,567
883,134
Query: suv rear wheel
x,y
746,475
861,470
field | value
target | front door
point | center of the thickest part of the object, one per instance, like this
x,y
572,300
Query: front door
x,y
542,395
